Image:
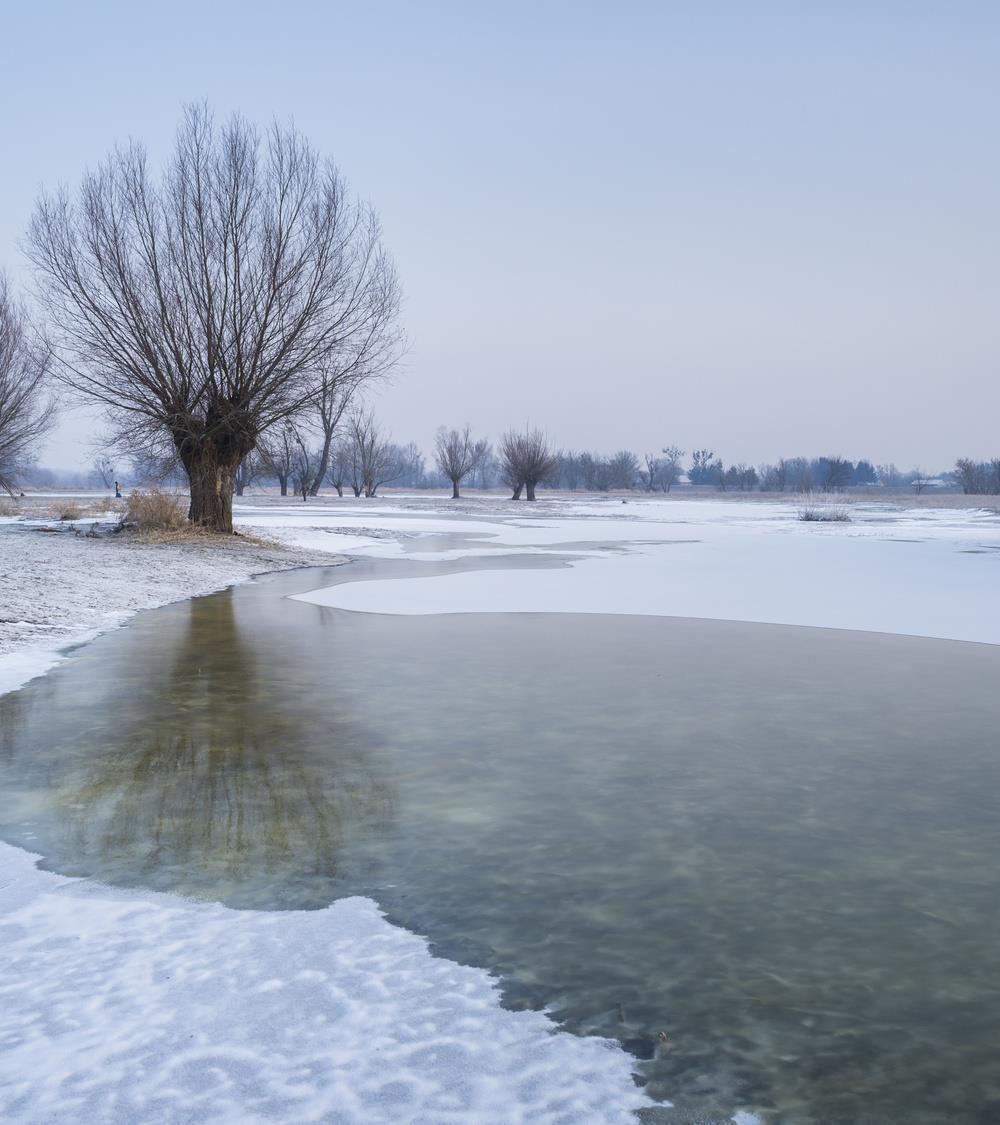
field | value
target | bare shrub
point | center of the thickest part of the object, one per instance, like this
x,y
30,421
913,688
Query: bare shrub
x,y
154,511
66,510
824,515
9,507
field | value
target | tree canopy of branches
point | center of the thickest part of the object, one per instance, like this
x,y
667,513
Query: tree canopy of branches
x,y
525,459
25,410
978,478
376,460
457,454
277,451
203,305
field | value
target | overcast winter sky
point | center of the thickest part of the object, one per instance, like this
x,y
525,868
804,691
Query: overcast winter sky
x,y
770,228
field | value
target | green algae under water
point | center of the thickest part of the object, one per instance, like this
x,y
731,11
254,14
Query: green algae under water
x,y
776,845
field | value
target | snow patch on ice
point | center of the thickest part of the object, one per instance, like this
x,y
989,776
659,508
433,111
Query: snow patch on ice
x,y
118,1006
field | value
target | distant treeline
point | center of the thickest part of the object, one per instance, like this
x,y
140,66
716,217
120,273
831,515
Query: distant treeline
x,y
285,465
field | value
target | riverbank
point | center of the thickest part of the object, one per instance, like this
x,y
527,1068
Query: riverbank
x,y
60,587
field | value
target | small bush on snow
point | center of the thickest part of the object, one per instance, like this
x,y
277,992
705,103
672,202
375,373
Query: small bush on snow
x,y
824,515
154,511
66,510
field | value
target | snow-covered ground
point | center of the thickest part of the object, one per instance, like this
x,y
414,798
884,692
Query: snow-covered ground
x,y
136,1007
931,572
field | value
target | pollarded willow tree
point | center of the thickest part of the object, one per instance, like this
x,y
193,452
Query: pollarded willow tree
x,y
202,306
457,455
25,409
525,460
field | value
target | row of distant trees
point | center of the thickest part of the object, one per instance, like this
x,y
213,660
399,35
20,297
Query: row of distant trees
x,y
362,458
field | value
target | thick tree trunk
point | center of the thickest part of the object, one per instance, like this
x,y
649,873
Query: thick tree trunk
x,y
517,492
340,489
283,482
211,483
530,487
357,490
454,490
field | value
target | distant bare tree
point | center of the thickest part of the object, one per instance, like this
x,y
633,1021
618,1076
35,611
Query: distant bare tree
x,y
704,470
525,459
277,452
248,471
671,467
202,307
887,475
375,457
105,471
26,413
652,471
623,468
339,465
457,454
304,463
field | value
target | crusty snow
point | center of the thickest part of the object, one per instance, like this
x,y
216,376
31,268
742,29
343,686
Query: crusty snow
x,y
136,1007
129,1007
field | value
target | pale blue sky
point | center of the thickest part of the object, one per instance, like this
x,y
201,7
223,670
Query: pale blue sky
x,y
770,228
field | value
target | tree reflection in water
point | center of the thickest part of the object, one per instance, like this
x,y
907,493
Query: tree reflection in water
x,y
199,775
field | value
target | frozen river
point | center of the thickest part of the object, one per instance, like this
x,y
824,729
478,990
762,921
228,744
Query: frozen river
x,y
760,857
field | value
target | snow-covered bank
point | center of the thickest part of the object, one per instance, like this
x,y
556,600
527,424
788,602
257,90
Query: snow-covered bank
x,y
931,572
130,1007
58,589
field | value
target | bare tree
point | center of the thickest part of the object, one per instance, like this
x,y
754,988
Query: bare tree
x,y
376,459
671,467
277,451
201,307
104,470
623,468
247,472
26,413
304,463
457,455
525,459
652,471
340,464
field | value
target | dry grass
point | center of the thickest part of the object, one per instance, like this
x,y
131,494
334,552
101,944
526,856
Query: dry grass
x,y
154,512
9,507
824,515
67,510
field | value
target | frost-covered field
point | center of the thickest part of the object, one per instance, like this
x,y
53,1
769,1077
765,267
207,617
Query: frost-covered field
x,y
124,1007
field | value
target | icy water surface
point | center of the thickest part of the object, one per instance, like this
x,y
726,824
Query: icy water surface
x,y
776,846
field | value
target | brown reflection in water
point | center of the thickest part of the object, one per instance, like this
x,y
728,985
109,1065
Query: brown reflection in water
x,y
201,778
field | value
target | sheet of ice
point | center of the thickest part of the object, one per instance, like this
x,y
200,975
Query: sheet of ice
x,y
927,572
129,1007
